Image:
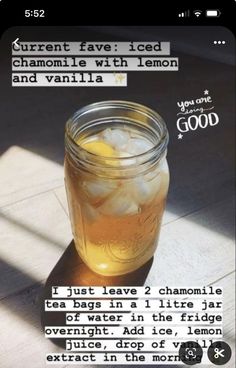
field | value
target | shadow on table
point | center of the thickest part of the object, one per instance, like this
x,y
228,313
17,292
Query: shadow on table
x,y
72,271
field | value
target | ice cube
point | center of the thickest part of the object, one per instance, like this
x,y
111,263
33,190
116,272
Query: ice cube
x,y
141,186
163,166
144,190
119,204
136,146
155,184
127,161
90,212
99,188
117,138
141,190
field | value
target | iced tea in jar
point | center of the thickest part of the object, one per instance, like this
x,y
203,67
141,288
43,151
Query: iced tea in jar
x,y
117,179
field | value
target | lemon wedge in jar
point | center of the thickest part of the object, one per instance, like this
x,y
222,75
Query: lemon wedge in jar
x,y
97,189
102,149
98,148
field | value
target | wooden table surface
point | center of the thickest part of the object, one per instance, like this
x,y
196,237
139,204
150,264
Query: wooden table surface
x,y
196,246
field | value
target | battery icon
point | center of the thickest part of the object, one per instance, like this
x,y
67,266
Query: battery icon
x,y
213,13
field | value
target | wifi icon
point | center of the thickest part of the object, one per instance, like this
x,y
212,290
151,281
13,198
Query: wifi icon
x,y
197,13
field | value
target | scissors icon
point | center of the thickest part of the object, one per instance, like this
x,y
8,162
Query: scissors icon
x,y
218,353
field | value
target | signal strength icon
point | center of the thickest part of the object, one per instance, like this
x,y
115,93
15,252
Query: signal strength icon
x,y
184,14
197,13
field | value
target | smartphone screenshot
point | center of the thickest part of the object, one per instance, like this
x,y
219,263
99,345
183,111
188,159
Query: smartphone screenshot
x,y
117,184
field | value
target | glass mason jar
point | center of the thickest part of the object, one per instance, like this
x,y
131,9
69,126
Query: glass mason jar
x,y
116,200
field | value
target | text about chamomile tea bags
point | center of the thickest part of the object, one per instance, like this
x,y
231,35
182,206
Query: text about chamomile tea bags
x,y
133,325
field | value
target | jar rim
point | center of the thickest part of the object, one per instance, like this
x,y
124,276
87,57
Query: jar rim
x,y
158,148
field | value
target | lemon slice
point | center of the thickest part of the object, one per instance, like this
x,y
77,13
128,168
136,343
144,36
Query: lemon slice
x,y
101,149
98,148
